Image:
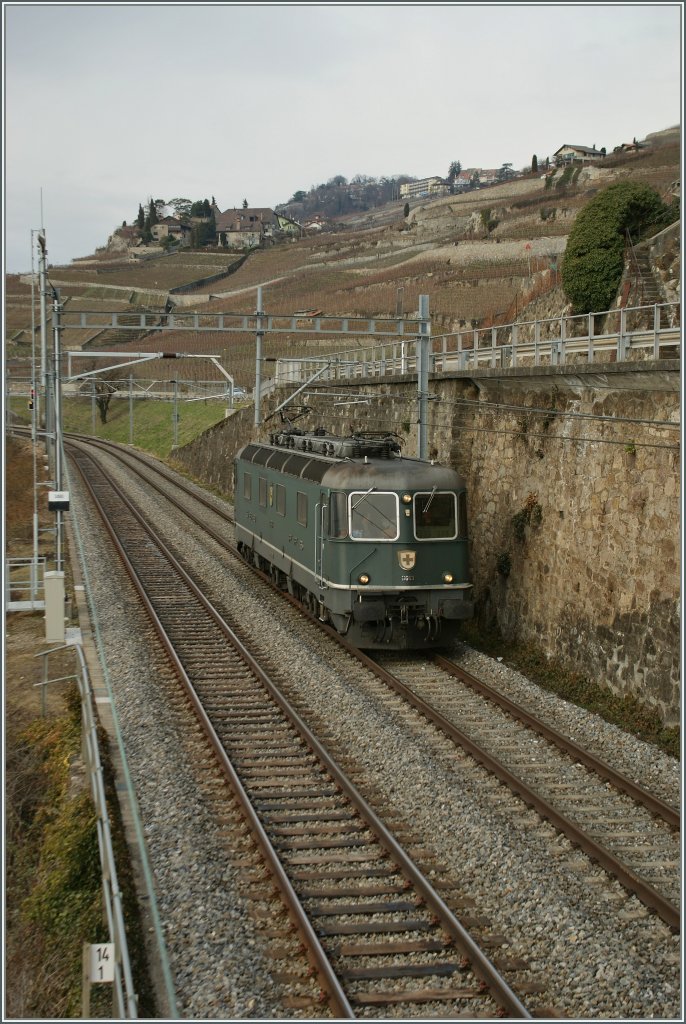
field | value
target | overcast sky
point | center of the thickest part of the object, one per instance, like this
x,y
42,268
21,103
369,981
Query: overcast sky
x,y
109,105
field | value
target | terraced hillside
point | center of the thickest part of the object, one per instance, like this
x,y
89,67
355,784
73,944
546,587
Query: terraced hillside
x,y
482,258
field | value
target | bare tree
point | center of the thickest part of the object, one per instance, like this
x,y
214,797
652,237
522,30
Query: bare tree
x,y
102,387
104,390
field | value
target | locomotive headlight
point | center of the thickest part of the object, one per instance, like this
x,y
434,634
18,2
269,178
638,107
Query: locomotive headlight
x,y
447,577
407,499
363,578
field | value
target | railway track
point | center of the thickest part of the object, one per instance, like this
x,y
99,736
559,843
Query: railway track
x,y
628,831
623,827
379,935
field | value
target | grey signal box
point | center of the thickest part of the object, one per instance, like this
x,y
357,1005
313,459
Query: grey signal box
x,y
58,501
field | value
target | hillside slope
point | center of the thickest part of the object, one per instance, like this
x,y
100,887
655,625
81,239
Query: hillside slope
x,y
482,257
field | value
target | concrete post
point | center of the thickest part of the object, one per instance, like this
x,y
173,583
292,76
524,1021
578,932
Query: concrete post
x,y
259,334
54,607
423,344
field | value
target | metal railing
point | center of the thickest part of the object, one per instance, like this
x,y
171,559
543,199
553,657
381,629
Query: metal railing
x,y
125,999
637,332
24,584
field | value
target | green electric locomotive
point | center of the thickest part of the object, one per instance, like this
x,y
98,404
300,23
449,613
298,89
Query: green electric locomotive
x,y
374,543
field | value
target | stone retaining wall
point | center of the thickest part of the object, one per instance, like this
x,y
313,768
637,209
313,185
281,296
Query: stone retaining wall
x,y
574,521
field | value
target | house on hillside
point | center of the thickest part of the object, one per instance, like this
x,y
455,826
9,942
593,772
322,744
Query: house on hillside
x,y
568,154
464,180
630,147
251,227
424,187
171,227
488,176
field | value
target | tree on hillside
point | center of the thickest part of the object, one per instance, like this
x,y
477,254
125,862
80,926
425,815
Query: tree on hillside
x,y
594,257
205,232
141,217
152,213
454,170
534,164
245,204
181,207
101,388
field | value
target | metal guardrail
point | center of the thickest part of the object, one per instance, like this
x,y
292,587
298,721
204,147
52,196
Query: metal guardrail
x,y
24,584
125,999
592,337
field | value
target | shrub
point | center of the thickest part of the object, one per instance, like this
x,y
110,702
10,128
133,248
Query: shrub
x,y
594,258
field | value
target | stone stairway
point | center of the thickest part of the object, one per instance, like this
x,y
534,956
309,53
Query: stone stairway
x,y
646,286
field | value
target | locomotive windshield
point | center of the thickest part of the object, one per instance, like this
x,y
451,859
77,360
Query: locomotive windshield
x,y
373,515
435,516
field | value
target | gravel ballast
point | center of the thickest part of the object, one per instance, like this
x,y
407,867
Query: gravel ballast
x,y
600,952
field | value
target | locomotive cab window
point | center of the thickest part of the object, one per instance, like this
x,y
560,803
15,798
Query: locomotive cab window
x,y
435,515
263,492
338,515
247,486
281,499
373,515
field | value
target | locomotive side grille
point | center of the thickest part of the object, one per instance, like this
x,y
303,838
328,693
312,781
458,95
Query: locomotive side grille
x,y
295,464
250,451
315,470
278,459
260,457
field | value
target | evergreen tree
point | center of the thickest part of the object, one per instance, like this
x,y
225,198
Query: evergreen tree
x,y
534,164
141,217
245,204
152,213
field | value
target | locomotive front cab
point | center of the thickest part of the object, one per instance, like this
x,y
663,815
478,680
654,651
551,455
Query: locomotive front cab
x,y
401,554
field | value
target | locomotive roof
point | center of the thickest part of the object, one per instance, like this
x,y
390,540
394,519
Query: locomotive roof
x,y
393,472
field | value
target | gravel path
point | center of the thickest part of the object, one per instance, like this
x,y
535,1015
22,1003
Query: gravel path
x,y
600,952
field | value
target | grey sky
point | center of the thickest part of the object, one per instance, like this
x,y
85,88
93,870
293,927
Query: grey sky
x,y
106,106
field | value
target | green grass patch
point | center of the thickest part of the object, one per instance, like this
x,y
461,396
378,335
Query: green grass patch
x,y
153,425
625,712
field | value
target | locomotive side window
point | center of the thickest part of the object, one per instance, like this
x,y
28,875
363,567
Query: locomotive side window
x,y
338,514
373,515
263,492
301,510
281,499
435,516
247,486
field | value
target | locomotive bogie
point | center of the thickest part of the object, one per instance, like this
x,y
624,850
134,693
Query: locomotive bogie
x,y
375,545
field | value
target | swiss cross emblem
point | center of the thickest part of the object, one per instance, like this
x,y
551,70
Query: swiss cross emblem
x,y
407,559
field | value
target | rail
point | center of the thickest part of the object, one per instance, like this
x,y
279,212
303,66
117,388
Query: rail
x,y
651,332
125,1000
